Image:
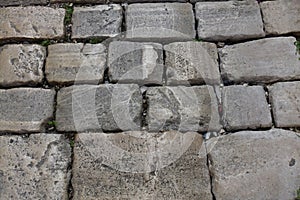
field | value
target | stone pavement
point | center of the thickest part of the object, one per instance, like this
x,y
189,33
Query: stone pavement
x,y
150,99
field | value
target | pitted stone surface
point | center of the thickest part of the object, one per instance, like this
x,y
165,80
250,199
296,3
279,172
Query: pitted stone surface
x,y
22,2
184,177
281,17
79,63
31,22
132,62
245,107
256,165
35,167
160,21
182,108
25,109
21,64
285,101
230,20
192,63
97,21
266,60
99,108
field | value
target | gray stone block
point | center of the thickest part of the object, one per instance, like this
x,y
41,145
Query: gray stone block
x,y
229,20
79,1
22,2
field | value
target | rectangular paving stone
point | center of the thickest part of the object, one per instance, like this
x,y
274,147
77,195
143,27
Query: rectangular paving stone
x,y
245,108
160,21
140,165
133,62
79,63
285,101
99,108
255,165
25,109
192,63
281,17
31,167
21,64
229,20
22,2
97,21
266,60
32,22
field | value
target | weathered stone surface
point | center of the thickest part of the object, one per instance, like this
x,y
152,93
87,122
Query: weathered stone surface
x,y
99,108
97,21
281,17
256,165
245,107
79,63
78,1
118,166
21,64
22,2
132,62
266,60
231,20
32,167
192,63
25,109
32,22
160,21
285,101
182,108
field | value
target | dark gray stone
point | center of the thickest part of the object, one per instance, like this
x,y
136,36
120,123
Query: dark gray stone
x,y
22,2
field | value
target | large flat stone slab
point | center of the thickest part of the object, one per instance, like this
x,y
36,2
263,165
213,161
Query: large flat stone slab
x,y
21,64
25,109
22,2
79,63
32,166
266,60
229,20
256,165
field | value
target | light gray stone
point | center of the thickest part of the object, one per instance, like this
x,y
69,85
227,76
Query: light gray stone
x,y
182,108
78,1
25,109
285,101
22,2
229,20
160,21
32,22
266,60
21,64
245,107
132,62
79,63
281,17
31,167
256,165
99,108
192,63
97,21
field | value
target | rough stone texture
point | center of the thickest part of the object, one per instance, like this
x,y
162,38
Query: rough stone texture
x,y
35,167
31,22
132,62
99,108
25,109
103,166
78,1
256,165
160,21
97,21
245,107
22,2
82,63
285,101
21,64
231,20
182,108
266,60
192,63
281,17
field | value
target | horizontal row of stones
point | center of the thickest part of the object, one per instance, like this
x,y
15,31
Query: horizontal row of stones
x,y
216,21
32,166
185,63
